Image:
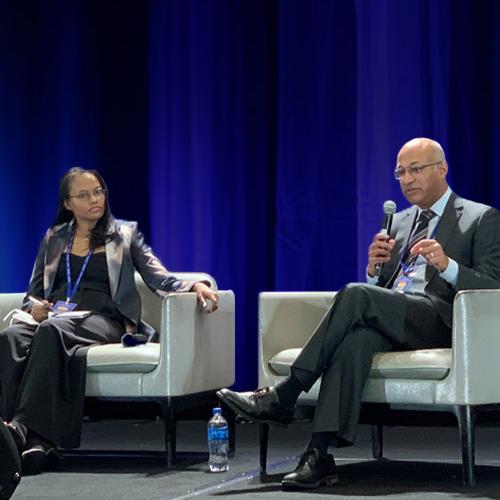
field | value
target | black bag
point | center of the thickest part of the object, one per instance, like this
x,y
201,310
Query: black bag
x,y
10,463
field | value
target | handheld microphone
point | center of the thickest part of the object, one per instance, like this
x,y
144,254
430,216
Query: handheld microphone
x,y
389,211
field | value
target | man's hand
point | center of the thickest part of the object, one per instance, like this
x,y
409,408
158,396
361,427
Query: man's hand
x,y
205,294
432,252
40,311
379,252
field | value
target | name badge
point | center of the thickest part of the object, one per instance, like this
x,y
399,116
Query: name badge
x,y
62,306
402,284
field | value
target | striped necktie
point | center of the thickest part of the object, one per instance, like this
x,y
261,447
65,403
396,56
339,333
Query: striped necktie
x,y
408,260
419,233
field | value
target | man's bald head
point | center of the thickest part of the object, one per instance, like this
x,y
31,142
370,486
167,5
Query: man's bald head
x,y
431,150
422,170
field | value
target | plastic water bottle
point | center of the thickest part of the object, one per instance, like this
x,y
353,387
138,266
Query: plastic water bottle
x,y
218,437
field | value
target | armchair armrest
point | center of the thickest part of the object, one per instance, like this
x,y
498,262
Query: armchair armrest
x,y
152,303
475,370
197,350
9,301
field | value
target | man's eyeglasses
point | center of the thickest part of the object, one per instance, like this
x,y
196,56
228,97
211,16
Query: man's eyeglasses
x,y
98,193
412,170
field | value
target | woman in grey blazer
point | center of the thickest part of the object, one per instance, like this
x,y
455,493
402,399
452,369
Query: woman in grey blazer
x,y
84,269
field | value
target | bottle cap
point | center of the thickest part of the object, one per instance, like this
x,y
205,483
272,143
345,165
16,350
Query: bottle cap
x,y
216,410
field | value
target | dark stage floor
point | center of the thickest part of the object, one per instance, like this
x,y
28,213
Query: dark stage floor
x,y
422,463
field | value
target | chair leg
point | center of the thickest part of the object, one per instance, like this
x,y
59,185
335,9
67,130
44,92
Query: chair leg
x,y
170,430
466,416
377,441
263,442
231,422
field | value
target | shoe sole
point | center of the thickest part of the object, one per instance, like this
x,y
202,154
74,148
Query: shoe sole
x,y
247,416
326,481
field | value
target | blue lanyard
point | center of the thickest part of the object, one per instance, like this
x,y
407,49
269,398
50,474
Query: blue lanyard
x,y
408,269
70,291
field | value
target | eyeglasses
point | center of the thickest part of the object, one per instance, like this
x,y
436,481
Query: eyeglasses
x,y
98,193
412,170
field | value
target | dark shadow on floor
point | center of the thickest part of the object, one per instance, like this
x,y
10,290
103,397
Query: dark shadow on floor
x,y
147,464
390,477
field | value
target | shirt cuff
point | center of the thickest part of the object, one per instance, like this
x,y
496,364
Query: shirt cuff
x,y
371,280
450,274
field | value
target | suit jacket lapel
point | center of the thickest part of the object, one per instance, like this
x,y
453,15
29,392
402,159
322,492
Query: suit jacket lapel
x,y
406,227
114,258
403,233
447,224
55,248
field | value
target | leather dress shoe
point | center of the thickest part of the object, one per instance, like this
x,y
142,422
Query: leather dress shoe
x,y
262,405
18,434
313,470
35,458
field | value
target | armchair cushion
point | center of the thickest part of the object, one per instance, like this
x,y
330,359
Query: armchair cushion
x,y
423,364
114,358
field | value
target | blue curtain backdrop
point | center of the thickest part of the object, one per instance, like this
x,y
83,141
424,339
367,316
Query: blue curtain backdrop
x,y
252,139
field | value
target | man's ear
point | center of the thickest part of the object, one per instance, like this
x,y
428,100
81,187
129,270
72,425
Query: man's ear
x,y
444,166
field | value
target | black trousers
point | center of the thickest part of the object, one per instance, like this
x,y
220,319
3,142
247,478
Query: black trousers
x,y
43,370
363,319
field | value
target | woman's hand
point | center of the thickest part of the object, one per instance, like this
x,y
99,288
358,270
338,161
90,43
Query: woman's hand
x,y
204,294
40,311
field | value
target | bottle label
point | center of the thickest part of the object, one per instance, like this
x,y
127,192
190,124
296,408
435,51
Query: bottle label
x,y
221,433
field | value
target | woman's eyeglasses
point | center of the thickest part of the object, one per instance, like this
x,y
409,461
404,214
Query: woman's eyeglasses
x,y
98,194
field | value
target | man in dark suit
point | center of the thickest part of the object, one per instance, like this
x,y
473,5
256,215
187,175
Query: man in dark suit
x,y
439,246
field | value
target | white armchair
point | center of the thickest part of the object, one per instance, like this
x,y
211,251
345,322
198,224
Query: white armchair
x,y
193,358
462,380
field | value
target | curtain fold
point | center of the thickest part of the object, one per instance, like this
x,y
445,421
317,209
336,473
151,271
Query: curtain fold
x,y
252,139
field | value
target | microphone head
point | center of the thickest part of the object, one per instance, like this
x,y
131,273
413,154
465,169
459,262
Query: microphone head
x,y
389,207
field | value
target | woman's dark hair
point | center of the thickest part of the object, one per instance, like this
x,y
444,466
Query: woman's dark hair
x,y
102,230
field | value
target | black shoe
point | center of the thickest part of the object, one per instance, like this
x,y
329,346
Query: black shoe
x,y
313,470
36,457
262,405
18,433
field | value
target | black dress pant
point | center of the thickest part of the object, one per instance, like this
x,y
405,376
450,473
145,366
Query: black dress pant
x,y
43,370
363,319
